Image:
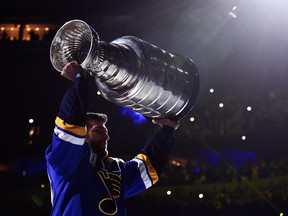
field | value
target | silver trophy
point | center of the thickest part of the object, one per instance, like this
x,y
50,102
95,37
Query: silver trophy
x,y
130,72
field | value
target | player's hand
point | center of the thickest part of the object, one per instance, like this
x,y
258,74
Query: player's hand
x,y
168,122
71,69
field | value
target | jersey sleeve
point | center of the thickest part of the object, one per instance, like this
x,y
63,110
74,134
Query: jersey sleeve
x,y
144,170
67,147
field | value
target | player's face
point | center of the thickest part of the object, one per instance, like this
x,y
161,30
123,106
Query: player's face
x,y
97,138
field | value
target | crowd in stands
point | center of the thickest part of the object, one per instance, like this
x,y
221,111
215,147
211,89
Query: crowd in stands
x,y
193,173
268,110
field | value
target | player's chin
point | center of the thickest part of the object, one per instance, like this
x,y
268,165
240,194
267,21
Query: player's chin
x,y
104,152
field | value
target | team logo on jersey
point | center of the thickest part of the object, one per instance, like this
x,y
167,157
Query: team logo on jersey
x,y
112,183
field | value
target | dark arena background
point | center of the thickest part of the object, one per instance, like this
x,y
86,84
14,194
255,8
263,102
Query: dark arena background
x,y
231,153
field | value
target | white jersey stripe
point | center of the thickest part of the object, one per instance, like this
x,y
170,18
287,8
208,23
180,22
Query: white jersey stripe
x,y
144,172
68,137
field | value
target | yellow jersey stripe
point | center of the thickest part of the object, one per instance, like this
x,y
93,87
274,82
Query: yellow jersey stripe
x,y
151,170
75,129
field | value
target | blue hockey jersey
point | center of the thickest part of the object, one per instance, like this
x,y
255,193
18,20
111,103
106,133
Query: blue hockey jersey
x,y
81,184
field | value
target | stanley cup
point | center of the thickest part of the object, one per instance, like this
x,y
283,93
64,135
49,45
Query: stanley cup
x,y
130,72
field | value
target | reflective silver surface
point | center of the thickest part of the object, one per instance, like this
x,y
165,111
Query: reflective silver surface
x,y
129,71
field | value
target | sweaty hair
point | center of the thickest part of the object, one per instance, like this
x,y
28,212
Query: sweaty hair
x,y
92,116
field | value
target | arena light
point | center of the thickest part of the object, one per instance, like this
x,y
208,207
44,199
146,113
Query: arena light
x,y
232,13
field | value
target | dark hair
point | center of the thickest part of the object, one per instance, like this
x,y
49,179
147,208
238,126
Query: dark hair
x,y
92,116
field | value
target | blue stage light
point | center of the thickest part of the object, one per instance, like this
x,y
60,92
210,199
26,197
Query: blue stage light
x,y
137,118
